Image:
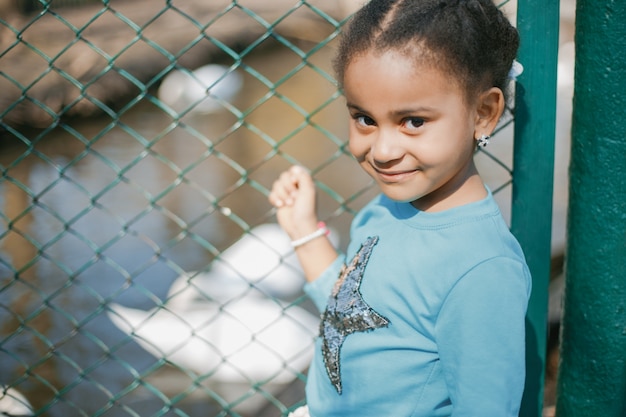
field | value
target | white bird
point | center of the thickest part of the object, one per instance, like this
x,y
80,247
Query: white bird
x,y
247,340
14,404
228,324
264,258
202,90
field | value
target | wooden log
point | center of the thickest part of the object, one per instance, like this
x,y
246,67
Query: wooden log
x,y
93,59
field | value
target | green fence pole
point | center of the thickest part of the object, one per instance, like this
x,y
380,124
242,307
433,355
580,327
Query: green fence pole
x,y
592,374
533,167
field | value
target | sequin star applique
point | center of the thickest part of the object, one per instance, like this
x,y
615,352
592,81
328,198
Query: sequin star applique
x,y
347,312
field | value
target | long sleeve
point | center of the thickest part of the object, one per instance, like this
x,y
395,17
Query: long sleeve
x,y
319,289
480,332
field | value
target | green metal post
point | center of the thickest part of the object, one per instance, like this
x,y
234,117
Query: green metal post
x,y
592,372
533,169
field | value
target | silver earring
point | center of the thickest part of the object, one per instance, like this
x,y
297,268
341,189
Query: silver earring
x,y
483,140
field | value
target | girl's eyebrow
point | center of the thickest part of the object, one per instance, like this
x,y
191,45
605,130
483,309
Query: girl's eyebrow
x,y
352,106
398,113
409,112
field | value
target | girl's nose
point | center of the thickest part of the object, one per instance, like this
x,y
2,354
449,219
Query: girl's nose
x,y
387,147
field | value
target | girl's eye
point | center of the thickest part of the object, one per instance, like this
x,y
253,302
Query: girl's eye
x,y
413,122
364,120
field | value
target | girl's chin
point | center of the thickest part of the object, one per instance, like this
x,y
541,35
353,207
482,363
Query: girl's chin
x,y
401,198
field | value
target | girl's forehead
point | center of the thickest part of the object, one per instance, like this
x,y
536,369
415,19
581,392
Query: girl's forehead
x,y
393,63
390,80
409,63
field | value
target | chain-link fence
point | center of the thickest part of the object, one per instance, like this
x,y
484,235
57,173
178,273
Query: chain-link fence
x,y
142,273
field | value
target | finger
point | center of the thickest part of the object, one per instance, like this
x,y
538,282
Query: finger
x,y
284,190
278,197
304,185
299,177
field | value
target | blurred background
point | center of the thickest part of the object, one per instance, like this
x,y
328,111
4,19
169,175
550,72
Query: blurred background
x,y
141,269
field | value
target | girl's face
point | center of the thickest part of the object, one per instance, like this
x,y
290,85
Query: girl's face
x,y
412,130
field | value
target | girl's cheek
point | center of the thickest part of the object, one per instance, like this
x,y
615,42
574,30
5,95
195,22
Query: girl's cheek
x,y
356,148
357,144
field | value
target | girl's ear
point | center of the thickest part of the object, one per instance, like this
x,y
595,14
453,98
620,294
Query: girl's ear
x,y
489,108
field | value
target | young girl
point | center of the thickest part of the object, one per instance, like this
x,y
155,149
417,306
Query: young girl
x,y
424,316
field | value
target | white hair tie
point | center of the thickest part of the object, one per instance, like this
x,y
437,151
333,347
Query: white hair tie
x,y
516,70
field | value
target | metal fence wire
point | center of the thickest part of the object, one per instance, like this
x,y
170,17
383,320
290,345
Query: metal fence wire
x,y
142,272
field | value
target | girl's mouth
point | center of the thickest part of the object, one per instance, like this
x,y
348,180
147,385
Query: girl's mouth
x,y
391,176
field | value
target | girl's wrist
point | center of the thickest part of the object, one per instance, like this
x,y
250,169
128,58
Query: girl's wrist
x,y
319,231
297,229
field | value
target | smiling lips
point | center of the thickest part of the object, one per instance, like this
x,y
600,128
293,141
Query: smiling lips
x,y
394,176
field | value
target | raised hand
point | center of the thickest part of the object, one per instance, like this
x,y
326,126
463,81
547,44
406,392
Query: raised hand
x,y
293,194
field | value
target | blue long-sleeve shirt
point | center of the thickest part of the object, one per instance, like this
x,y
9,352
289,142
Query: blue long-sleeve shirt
x,y
427,318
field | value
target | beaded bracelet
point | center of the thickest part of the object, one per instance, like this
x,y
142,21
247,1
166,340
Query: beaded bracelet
x,y
322,230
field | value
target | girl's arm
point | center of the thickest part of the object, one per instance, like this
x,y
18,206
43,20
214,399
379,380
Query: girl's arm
x,y
480,333
293,194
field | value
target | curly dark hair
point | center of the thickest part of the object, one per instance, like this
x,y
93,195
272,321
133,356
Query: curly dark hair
x,y
471,40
